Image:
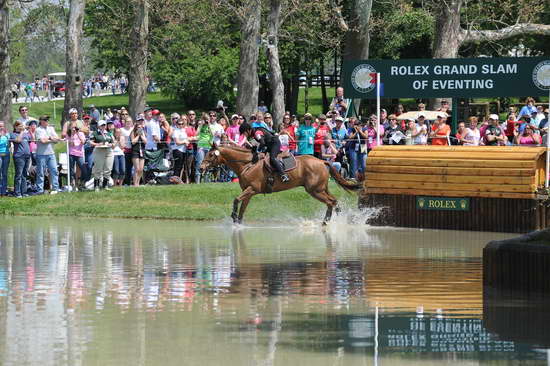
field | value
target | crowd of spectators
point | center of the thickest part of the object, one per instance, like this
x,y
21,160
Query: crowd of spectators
x,y
46,88
113,148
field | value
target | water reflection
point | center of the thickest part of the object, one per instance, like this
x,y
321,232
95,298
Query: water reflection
x,y
138,292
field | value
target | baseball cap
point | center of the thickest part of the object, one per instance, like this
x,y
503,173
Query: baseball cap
x,y
493,117
92,106
235,116
322,116
339,118
31,122
44,117
174,115
140,117
147,109
73,110
101,123
86,116
156,112
308,115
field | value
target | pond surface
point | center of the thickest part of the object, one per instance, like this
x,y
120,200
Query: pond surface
x,y
129,292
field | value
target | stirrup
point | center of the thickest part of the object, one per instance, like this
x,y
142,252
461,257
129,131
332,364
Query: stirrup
x,y
285,178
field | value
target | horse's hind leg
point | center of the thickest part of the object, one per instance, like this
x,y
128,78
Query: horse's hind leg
x,y
328,200
334,202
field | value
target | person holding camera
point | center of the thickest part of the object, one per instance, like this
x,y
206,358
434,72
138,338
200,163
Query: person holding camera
x,y
77,139
338,102
357,148
73,121
494,134
138,138
103,142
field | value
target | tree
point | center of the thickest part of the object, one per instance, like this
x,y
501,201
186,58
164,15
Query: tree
x,y
450,35
249,15
73,80
357,38
275,74
5,85
139,52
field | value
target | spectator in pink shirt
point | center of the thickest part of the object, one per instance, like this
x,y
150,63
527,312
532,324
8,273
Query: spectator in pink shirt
x,y
77,139
232,131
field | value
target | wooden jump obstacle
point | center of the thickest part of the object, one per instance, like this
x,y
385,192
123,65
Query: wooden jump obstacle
x,y
458,187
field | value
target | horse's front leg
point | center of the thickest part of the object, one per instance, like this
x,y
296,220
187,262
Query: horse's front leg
x,y
243,198
235,209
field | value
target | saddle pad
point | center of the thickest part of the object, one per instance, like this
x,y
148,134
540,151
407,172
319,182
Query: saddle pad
x,y
289,163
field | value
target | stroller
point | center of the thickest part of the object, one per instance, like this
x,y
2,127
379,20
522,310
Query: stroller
x,y
157,169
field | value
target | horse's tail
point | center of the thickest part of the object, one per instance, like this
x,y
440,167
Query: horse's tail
x,y
345,184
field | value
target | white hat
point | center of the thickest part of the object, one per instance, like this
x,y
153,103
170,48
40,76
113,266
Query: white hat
x,y
73,110
235,116
101,123
493,117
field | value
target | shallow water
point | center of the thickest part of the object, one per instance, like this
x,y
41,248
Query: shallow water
x,y
120,292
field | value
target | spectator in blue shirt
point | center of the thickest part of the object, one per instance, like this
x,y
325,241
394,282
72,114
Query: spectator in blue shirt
x,y
528,109
339,133
306,136
4,159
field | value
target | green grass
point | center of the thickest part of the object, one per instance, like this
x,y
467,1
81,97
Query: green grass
x,y
181,202
157,100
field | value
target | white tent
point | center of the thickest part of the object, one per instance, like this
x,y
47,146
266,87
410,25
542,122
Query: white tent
x,y
57,74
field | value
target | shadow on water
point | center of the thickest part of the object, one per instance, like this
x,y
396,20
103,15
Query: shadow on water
x,y
517,316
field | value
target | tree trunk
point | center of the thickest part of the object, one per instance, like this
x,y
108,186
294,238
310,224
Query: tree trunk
x,y
73,80
137,73
5,86
326,104
294,87
276,76
447,38
247,80
357,39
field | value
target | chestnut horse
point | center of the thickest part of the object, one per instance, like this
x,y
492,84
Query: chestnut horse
x,y
310,172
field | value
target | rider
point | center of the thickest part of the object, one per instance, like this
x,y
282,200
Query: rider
x,y
268,140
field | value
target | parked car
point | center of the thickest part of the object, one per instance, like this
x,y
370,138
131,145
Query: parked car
x,y
58,88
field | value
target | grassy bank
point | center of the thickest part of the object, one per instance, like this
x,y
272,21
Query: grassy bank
x,y
182,202
157,100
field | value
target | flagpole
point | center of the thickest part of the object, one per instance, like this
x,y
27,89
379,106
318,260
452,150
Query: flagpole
x,y
377,109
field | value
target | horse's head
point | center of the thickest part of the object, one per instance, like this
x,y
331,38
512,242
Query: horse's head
x,y
212,159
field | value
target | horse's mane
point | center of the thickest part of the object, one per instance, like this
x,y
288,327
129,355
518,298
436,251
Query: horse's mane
x,y
237,148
